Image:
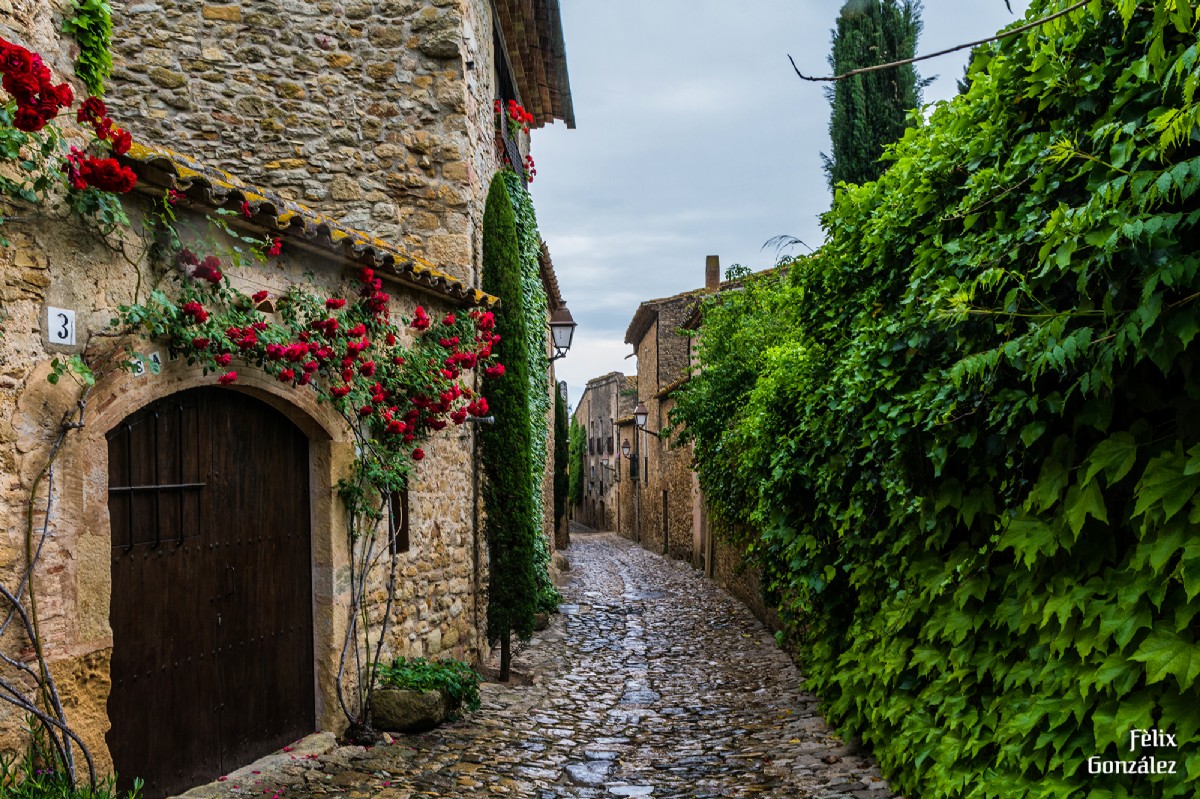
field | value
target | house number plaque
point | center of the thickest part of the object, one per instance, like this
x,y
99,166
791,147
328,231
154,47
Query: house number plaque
x,y
61,324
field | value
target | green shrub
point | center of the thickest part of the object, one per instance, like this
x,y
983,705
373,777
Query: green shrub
x,y
458,681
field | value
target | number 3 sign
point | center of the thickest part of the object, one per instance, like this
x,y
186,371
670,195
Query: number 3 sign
x,y
61,326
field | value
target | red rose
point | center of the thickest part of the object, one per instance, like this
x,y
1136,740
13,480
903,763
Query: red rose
x,y
259,296
339,391
246,212
223,359
15,58
287,375
495,371
121,140
108,175
200,343
209,269
227,378
91,110
276,247
21,85
418,454
195,310
63,95
334,303
28,120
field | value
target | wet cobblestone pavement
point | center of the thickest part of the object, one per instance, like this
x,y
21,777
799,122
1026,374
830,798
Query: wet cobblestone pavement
x,y
651,682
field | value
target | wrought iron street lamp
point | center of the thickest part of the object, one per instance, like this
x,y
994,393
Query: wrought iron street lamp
x,y
616,470
562,330
640,415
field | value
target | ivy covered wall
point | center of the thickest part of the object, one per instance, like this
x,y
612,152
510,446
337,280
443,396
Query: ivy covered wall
x,y
529,245
968,451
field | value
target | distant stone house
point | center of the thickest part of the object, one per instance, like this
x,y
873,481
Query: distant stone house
x,y
605,399
661,506
192,592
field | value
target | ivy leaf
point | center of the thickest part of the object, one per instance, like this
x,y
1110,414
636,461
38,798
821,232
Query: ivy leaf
x,y
1165,652
1122,622
1114,456
1084,502
1049,486
1165,482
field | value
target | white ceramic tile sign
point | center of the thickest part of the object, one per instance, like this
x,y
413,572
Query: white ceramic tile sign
x,y
61,326
151,363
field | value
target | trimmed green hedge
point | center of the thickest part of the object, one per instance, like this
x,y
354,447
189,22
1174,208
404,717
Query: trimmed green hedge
x,y
965,434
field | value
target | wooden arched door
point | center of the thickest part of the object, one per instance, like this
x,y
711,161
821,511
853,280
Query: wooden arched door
x,y
211,611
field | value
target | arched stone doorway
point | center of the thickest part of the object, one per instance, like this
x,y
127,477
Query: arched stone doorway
x,y
211,609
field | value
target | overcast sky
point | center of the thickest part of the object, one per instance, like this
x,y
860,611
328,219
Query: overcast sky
x,y
695,137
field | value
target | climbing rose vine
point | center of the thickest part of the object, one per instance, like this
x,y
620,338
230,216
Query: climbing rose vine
x,y
403,381
31,142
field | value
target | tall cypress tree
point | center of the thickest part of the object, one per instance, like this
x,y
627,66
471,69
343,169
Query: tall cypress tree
x,y
870,110
505,446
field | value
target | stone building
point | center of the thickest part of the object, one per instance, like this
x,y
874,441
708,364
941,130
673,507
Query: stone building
x,y
310,122
661,506
605,399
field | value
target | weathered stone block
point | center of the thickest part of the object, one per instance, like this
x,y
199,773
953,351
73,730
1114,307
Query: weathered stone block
x,y
381,71
167,78
290,90
223,13
345,188
386,36
440,44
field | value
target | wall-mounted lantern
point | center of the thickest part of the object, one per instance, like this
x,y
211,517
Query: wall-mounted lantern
x,y
562,330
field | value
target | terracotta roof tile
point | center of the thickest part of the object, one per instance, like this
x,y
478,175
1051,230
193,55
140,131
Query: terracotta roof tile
x,y
159,169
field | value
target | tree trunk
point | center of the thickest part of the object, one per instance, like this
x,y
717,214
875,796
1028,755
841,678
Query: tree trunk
x,y
505,656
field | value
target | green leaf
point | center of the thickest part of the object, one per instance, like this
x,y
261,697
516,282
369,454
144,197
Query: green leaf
x,y
1115,456
1168,653
1084,502
1165,483
1050,485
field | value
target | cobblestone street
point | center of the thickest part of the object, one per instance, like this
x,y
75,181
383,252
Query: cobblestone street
x,y
651,682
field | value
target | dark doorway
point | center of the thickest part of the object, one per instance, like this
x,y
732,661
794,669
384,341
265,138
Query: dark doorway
x,y
211,611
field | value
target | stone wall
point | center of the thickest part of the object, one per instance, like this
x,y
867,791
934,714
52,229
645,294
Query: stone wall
x,y
676,480
733,574
599,407
53,262
673,356
376,112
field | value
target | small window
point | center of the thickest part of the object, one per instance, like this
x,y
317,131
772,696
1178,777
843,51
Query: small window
x,y
398,519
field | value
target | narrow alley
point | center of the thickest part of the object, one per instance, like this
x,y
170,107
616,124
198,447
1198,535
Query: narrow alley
x,y
651,682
